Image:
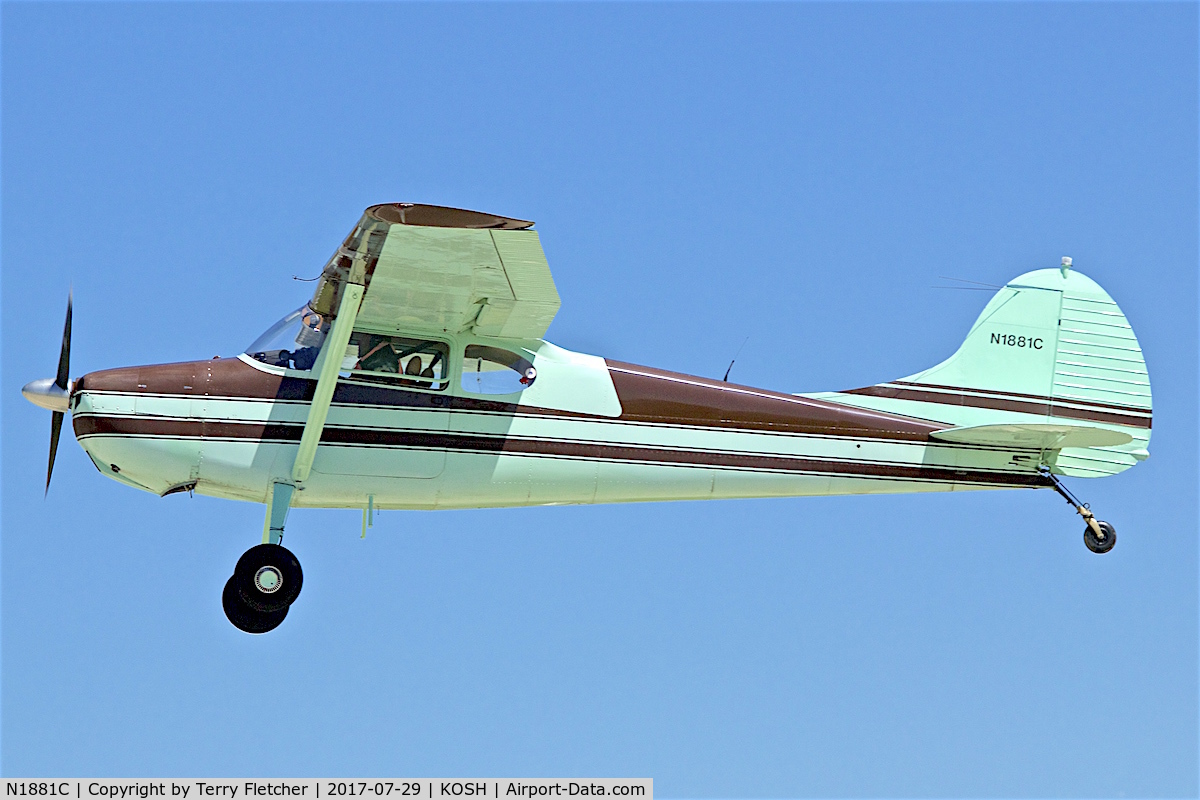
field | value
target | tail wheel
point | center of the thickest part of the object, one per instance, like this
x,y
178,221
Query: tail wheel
x,y
268,577
244,617
1096,544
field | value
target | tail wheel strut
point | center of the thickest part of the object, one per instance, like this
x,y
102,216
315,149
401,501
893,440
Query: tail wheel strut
x,y
1099,536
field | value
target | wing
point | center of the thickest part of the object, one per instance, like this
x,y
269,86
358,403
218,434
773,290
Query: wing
x,y
433,269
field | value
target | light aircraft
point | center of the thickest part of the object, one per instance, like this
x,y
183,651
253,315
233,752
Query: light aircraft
x,y
417,378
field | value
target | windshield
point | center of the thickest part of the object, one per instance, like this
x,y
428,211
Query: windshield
x,y
292,342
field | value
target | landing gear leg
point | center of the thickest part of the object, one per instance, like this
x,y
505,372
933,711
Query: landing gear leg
x,y
267,578
1099,536
278,505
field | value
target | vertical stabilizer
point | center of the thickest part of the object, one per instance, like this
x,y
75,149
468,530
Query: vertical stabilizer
x,y
1050,347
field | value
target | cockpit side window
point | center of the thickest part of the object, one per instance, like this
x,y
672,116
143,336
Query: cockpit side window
x,y
397,361
293,342
491,370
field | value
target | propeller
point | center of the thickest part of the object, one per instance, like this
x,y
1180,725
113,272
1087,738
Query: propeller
x,y
54,394
61,380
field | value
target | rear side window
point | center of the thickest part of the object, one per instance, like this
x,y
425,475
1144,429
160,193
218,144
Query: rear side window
x,y
491,370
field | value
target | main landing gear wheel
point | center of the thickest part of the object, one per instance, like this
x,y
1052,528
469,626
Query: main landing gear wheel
x,y
265,583
1095,543
268,577
244,617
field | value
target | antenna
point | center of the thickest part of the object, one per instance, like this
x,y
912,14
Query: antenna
x,y
979,286
735,355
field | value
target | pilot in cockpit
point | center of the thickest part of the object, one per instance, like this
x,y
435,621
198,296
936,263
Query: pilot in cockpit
x,y
308,340
380,356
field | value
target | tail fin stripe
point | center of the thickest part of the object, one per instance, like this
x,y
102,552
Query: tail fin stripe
x,y
1139,372
1099,416
1105,357
1105,345
953,391
1106,390
1071,304
1082,405
1097,334
1098,324
1095,313
1093,377
1003,404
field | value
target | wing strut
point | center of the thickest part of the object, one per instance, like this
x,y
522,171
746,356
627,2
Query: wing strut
x,y
332,352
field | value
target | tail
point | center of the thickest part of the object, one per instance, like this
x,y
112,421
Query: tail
x,y
1050,363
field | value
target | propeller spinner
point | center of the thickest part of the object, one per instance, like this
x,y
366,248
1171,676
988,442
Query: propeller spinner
x,y
54,393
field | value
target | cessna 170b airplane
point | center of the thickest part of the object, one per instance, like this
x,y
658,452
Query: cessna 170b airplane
x,y
417,378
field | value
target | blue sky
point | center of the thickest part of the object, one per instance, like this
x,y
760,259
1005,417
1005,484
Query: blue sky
x,y
797,174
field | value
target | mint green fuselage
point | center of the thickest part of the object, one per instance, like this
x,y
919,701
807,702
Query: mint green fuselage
x,y
590,431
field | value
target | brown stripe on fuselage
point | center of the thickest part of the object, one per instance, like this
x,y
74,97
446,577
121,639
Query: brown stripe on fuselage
x,y
151,427
231,378
1044,406
645,394
653,395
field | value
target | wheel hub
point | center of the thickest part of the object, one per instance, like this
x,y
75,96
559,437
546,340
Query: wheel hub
x,y
268,580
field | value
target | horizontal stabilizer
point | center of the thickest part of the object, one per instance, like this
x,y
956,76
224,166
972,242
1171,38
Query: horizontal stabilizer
x,y
1033,435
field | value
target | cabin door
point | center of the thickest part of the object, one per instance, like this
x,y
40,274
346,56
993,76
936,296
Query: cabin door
x,y
390,415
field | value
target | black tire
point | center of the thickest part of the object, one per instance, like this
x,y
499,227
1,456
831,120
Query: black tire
x,y
1100,545
262,565
245,618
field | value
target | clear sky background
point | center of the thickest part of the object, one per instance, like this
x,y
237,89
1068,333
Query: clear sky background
x,y
797,174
